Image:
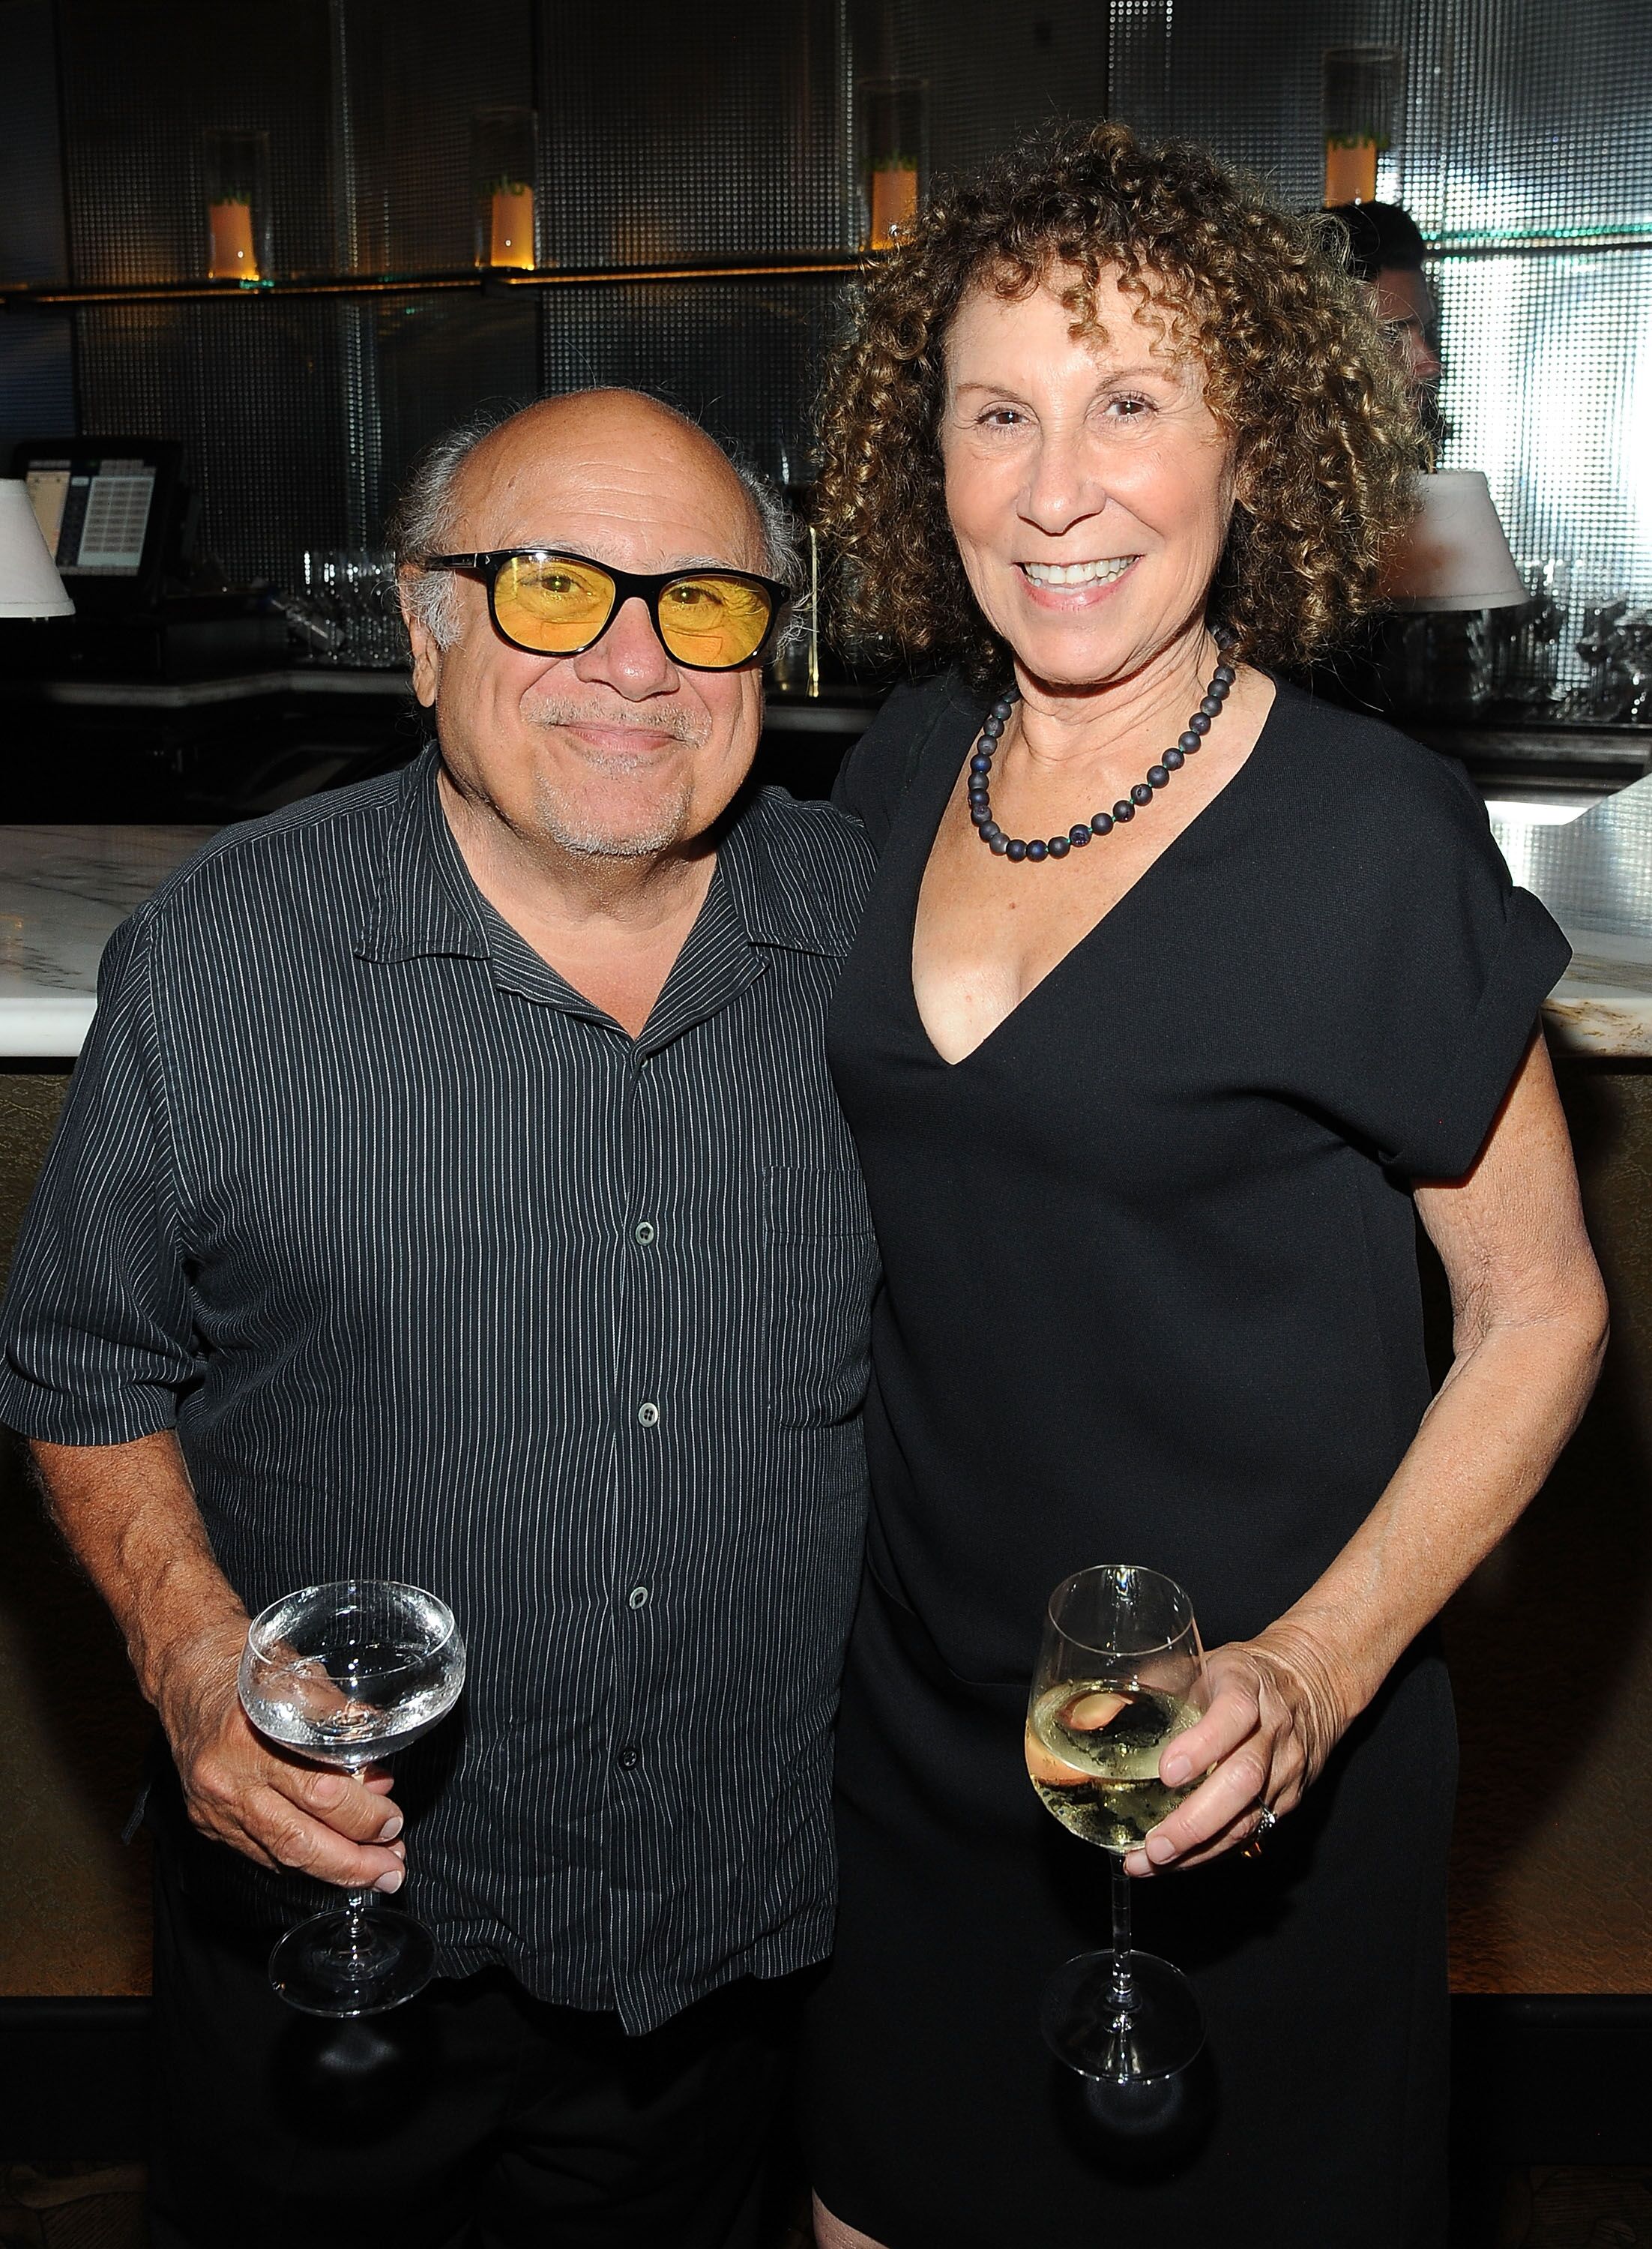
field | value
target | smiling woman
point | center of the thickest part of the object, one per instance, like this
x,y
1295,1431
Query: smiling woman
x,y
1252,302
1178,999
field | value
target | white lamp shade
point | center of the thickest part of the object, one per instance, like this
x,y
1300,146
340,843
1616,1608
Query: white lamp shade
x,y
30,586
1454,554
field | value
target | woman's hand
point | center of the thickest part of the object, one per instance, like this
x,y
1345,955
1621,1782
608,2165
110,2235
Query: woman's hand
x,y
1276,1713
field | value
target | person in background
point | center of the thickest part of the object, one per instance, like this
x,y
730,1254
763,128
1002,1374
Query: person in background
x,y
452,1190
1386,256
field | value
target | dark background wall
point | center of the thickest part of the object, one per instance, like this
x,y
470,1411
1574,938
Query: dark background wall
x,y
37,377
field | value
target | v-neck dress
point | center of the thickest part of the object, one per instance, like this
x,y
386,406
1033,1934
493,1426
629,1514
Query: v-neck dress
x,y
1151,1296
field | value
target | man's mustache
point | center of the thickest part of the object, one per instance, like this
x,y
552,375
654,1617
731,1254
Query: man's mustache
x,y
686,727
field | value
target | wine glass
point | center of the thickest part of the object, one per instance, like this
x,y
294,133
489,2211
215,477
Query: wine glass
x,y
1121,1673
345,1675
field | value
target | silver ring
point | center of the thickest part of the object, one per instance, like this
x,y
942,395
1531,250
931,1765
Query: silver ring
x,y
1267,1820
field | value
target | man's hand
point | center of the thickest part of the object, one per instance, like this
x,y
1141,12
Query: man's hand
x,y
130,1516
245,1792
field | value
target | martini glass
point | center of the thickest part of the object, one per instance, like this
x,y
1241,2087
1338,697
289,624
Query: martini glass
x,y
1121,1673
345,1675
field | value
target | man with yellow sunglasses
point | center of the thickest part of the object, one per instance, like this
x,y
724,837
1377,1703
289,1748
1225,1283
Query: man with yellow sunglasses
x,y
452,1190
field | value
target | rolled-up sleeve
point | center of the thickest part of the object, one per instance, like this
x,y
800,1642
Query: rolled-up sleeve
x,y
1420,967
97,1343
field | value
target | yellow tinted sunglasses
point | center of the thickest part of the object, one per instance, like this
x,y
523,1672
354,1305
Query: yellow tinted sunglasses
x,y
553,603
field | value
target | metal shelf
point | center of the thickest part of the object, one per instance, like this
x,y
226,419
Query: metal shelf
x,y
1557,241
493,281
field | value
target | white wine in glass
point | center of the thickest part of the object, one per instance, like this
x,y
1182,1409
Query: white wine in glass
x,y
1093,1752
1121,1673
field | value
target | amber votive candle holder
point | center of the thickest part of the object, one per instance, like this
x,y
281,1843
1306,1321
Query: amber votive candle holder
x,y
503,168
237,196
892,131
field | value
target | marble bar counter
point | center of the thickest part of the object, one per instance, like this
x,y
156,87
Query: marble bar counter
x,y
63,892
1603,1004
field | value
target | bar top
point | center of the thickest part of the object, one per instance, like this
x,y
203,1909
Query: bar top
x,y
64,890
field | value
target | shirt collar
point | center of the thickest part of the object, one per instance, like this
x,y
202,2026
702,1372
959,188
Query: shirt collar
x,y
777,896
426,903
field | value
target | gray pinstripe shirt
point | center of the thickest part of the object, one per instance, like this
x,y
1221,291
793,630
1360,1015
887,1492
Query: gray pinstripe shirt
x,y
440,1277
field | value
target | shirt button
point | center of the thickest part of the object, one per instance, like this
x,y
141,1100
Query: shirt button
x,y
642,1233
628,1757
648,1413
639,1597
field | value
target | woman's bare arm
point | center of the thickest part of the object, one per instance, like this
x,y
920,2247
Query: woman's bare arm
x,y
1530,1325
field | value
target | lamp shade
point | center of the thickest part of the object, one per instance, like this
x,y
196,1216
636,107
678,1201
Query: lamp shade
x,y
30,586
1454,556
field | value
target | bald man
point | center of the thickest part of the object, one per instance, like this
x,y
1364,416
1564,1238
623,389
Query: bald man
x,y
452,1191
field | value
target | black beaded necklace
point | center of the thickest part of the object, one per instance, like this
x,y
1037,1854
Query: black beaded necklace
x,y
1012,846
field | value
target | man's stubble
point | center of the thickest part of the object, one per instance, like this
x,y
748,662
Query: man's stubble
x,y
566,821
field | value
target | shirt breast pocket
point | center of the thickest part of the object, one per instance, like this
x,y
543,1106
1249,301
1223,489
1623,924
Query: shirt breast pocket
x,y
821,1272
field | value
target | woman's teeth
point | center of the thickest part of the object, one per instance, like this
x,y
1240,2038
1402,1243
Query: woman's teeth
x,y
1079,574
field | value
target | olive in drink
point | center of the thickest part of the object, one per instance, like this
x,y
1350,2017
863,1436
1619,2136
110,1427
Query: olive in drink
x,y
1092,1754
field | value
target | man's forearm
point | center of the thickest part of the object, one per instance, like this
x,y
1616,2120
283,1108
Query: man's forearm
x,y
130,1517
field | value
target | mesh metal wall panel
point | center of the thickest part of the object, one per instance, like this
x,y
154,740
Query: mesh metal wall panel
x,y
655,144
32,246
442,359
37,380
143,81
1550,393
37,374
993,71
250,387
1517,115
417,74
745,357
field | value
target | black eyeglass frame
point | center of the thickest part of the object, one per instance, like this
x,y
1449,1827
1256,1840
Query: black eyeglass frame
x,y
628,585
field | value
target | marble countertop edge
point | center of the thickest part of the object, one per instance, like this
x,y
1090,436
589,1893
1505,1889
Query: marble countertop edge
x,y
51,1028
63,889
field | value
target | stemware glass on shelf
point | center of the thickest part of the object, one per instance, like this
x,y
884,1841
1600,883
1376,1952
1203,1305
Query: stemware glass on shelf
x,y
1121,1671
345,1674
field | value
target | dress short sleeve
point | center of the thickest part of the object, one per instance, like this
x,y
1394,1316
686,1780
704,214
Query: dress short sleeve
x,y
1429,965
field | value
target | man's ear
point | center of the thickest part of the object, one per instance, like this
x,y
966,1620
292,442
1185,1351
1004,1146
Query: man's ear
x,y
426,653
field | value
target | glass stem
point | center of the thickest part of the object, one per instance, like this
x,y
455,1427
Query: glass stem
x,y
357,1904
1123,1981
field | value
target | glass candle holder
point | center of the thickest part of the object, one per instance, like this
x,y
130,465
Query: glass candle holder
x,y
1360,99
892,124
237,187
504,152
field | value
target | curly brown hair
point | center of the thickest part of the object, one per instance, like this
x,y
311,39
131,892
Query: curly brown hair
x,y
1325,442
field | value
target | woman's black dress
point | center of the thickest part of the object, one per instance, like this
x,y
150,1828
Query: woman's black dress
x,y
1152,1297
